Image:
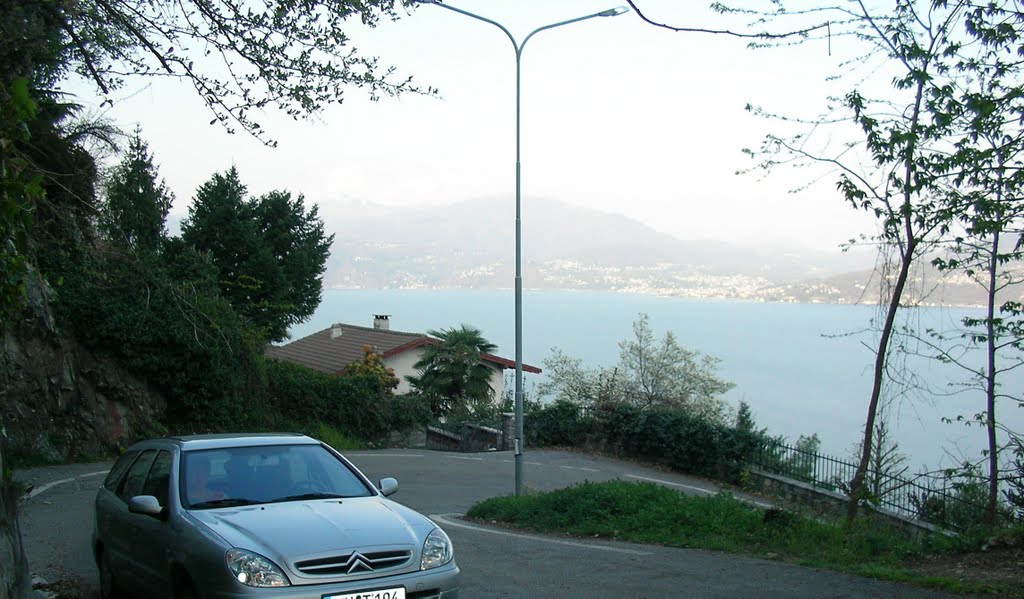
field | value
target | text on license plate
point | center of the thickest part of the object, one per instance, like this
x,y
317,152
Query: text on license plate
x,y
398,593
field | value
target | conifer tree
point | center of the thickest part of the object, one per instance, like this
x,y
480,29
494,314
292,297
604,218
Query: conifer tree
x,y
134,211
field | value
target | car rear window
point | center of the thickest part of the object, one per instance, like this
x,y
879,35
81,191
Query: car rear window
x,y
158,482
120,467
136,476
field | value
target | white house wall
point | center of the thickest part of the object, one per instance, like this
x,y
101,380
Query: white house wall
x,y
402,364
497,381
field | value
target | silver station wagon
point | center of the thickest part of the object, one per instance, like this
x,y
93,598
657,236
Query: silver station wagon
x,y
275,515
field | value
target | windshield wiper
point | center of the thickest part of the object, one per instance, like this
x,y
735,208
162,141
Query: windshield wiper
x,y
227,502
304,496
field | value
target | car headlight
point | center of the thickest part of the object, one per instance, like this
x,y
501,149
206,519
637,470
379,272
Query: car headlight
x,y
254,570
437,550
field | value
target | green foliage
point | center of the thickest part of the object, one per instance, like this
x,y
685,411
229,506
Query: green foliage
x,y
684,442
270,253
935,158
28,51
292,55
335,438
649,375
20,189
46,176
358,404
963,504
372,369
744,418
1014,492
296,238
677,439
649,513
158,306
560,424
453,377
136,203
800,464
173,330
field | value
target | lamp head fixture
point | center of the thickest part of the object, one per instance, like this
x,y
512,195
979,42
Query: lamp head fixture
x,y
613,12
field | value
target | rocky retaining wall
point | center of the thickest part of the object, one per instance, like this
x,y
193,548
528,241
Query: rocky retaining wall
x,y
62,402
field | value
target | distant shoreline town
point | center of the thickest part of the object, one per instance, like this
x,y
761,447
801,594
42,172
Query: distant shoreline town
x,y
469,246
850,289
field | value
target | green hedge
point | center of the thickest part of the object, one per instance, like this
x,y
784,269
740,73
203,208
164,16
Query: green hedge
x,y
357,405
162,316
559,424
674,438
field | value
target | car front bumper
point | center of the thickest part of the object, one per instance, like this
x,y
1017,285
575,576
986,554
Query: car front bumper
x,y
439,583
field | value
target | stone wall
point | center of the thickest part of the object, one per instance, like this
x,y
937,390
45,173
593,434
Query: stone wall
x,y
58,402
471,438
62,402
479,438
824,502
441,440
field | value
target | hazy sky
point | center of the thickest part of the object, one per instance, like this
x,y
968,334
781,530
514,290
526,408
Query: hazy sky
x,y
617,115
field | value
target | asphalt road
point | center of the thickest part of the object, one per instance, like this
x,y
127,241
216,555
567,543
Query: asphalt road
x,y
56,521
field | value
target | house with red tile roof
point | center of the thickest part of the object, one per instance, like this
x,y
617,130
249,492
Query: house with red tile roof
x,y
331,349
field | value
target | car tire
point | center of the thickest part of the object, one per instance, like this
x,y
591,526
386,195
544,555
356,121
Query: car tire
x,y
186,591
108,584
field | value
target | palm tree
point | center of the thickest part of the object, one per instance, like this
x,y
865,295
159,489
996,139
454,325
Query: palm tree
x,y
453,375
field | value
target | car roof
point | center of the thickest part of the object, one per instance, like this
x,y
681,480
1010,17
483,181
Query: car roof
x,y
221,441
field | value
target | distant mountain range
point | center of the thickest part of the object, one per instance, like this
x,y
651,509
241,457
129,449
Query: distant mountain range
x,y
470,245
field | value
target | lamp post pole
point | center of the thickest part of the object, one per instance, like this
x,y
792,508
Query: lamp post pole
x,y
518,46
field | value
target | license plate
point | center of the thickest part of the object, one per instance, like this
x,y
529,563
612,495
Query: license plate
x,y
397,593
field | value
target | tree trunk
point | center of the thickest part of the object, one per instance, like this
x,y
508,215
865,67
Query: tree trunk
x,y
857,484
990,388
911,238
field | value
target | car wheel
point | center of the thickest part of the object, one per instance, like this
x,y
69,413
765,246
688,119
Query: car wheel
x,y
108,584
185,591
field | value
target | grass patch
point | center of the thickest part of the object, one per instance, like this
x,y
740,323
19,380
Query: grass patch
x,y
652,514
335,438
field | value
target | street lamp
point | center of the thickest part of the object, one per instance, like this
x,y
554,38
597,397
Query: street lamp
x,y
611,12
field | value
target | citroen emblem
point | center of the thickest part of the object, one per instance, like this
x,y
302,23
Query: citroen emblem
x,y
358,563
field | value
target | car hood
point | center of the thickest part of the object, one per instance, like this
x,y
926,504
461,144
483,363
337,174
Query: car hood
x,y
295,530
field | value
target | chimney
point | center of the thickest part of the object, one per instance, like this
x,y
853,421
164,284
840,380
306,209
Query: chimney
x,y
380,321
336,330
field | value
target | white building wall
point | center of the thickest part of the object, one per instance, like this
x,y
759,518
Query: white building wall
x,y
498,382
402,364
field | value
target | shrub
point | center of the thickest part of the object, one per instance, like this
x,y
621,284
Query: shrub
x,y
162,317
333,437
683,441
357,403
559,424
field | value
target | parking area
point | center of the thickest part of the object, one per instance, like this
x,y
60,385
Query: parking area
x,y
57,520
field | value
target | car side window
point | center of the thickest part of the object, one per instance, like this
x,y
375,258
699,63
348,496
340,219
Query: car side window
x,y
158,482
117,472
136,476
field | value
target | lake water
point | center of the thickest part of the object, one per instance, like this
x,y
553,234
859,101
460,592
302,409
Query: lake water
x,y
802,368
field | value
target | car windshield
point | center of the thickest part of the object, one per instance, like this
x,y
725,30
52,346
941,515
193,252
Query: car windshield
x,y
239,476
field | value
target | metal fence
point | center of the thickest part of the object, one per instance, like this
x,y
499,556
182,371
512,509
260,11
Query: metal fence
x,y
933,498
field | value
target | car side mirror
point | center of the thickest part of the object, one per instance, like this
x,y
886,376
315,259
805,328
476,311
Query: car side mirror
x,y
387,486
146,505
